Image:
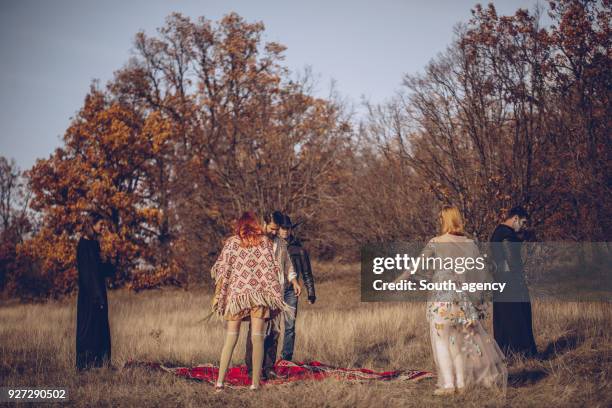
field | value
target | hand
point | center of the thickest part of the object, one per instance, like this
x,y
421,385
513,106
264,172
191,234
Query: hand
x,y
296,287
312,299
469,324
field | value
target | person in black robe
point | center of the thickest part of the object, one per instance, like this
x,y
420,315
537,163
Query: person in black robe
x,y
93,342
512,323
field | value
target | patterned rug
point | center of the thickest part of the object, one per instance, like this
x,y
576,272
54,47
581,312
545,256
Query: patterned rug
x,y
287,372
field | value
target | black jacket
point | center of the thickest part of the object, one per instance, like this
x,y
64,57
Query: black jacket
x,y
301,264
507,250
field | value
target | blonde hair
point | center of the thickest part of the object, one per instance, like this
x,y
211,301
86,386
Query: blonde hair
x,y
451,221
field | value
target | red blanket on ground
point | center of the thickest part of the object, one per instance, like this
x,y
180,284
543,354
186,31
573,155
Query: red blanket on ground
x,y
289,371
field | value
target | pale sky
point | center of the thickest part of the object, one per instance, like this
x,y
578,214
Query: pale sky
x,y
52,50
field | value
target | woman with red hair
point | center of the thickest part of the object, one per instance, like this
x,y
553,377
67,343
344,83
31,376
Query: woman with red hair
x,y
247,286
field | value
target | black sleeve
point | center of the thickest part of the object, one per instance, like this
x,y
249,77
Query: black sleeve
x,y
512,254
307,274
88,281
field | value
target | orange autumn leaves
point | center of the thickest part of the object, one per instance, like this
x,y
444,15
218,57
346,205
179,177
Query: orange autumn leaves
x,y
102,167
202,123
205,122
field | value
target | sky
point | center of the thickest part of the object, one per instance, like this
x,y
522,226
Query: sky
x,y
50,51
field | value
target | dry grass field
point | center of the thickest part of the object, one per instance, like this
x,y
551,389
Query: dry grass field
x,y
37,349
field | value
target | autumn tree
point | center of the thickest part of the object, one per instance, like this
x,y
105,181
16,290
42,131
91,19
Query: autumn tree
x,y
205,121
248,133
108,164
576,176
202,123
512,113
16,223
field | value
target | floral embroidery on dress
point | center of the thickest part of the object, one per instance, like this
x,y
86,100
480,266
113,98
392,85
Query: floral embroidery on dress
x,y
455,325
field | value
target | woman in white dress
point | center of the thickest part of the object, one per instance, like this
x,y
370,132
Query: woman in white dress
x,y
464,353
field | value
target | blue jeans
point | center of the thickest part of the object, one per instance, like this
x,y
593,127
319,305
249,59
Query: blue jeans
x,y
289,340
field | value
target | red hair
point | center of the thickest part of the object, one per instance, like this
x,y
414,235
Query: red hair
x,y
248,230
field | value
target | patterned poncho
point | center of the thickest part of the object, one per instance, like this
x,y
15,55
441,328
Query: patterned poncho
x,y
246,277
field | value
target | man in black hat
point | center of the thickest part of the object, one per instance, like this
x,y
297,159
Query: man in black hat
x,y
512,325
93,343
301,265
271,225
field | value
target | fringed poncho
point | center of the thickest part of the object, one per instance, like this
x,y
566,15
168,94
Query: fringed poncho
x,y
247,277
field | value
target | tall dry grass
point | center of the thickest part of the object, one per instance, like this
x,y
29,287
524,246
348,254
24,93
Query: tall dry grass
x,y
37,349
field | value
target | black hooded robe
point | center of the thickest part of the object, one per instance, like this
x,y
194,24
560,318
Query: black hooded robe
x,y
512,322
93,343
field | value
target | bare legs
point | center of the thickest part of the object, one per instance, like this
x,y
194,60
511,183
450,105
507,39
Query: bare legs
x,y
231,337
